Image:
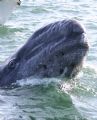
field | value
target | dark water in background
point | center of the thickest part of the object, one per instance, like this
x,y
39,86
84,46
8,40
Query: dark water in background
x,y
50,99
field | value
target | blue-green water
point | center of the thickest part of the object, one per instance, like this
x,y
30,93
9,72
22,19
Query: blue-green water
x,y
50,99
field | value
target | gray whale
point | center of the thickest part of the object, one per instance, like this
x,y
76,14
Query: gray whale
x,y
57,49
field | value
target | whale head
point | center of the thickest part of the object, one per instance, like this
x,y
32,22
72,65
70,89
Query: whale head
x,y
58,49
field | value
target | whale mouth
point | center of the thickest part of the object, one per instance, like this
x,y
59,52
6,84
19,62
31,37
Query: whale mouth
x,y
19,2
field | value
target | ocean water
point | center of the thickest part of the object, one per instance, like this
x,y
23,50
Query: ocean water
x,y
50,99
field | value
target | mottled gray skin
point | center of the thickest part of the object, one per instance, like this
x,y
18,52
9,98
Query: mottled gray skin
x,y
57,49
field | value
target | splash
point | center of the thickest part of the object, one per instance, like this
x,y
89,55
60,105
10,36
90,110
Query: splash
x,y
83,92
37,81
6,8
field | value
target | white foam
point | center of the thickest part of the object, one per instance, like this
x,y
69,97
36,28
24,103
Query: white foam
x,y
37,81
6,8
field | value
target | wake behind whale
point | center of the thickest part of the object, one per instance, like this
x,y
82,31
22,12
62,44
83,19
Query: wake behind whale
x,y
57,49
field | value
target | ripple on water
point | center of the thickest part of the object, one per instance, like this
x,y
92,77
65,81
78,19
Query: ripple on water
x,y
38,102
84,93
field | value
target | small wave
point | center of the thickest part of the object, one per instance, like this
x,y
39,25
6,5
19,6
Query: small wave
x,y
83,92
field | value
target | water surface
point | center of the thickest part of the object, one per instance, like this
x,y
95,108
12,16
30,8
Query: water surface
x,y
50,99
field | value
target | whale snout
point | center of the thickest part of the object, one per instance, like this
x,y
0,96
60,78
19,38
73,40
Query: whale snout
x,y
77,34
73,49
77,28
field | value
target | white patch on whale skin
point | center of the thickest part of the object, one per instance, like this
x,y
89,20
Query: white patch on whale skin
x,y
6,8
